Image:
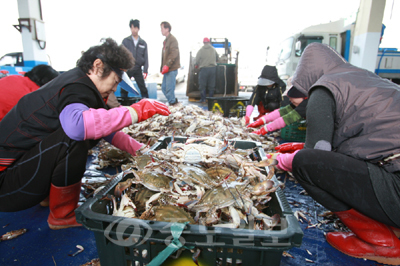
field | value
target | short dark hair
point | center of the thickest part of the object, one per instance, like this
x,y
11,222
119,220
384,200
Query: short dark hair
x,y
115,55
166,25
41,74
135,23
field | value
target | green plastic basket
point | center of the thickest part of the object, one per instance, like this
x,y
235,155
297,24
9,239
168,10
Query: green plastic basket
x,y
295,131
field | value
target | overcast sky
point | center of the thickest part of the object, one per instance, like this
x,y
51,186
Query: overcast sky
x,y
73,26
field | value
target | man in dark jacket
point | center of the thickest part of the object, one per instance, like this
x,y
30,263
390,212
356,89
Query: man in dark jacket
x,y
138,47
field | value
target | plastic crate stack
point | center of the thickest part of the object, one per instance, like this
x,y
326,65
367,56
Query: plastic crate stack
x,y
295,132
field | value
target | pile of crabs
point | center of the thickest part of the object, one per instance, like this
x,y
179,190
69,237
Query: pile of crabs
x,y
192,121
200,177
187,121
204,181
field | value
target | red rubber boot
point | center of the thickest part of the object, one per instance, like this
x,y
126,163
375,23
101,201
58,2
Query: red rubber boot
x,y
63,202
370,239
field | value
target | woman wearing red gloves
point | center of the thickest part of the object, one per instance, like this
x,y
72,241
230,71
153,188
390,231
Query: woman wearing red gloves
x,y
351,160
283,116
45,138
267,95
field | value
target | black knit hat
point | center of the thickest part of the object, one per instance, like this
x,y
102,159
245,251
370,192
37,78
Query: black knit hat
x,y
295,93
271,73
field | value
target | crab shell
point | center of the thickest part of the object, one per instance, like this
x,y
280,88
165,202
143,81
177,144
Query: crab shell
x,y
153,181
167,213
218,173
141,161
196,176
218,198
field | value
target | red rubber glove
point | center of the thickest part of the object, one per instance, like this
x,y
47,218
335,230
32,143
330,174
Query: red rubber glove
x,y
144,75
261,131
146,108
257,123
165,69
289,147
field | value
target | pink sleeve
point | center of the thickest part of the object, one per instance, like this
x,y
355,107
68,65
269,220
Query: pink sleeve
x,y
100,122
249,110
126,143
276,124
273,115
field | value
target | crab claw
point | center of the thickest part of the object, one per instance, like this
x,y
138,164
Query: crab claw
x,y
121,186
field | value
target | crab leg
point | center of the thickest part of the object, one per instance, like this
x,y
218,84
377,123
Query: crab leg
x,y
235,219
152,198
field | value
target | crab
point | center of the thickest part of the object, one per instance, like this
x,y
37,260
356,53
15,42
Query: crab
x,y
231,211
111,156
126,207
219,198
141,197
193,175
152,180
219,173
263,188
141,161
194,153
167,213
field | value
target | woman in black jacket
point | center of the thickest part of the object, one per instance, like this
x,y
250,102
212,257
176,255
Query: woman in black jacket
x,y
267,95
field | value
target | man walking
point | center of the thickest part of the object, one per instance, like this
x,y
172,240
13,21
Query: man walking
x,y
138,47
170,63
206,61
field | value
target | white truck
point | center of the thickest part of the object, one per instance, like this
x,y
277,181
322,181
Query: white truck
x,y
338,35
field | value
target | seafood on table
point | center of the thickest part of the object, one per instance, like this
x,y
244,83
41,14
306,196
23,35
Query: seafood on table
x,y
218,185
206,178
186,121
192,121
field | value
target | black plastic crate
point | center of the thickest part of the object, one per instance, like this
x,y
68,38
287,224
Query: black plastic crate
x,y
128,241
228,106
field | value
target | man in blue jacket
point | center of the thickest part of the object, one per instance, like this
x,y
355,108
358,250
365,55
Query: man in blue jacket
x,y
138,47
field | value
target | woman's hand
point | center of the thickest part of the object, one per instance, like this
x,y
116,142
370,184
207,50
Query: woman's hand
x,y
257,123
262,131
289,147
147,108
